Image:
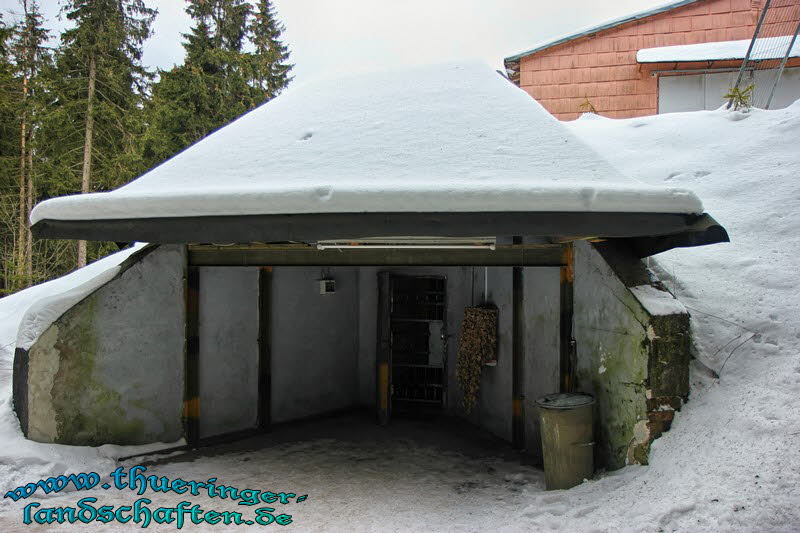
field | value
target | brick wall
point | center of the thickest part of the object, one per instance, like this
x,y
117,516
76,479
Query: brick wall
x,y
603,69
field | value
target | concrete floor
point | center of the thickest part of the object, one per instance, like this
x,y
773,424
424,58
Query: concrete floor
x,y
445,433
437,474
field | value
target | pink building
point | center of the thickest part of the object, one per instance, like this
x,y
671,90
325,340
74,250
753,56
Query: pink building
x,y
640,64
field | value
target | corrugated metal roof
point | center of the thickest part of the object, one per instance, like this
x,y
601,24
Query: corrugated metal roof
x,y
604,26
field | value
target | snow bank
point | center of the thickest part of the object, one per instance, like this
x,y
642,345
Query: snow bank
x,y
23,317
766,48
442,138
731,461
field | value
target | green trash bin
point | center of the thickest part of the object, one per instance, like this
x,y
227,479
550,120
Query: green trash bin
x,y
567,439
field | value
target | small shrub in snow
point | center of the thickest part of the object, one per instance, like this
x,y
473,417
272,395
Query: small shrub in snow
x,y
740,98
587,106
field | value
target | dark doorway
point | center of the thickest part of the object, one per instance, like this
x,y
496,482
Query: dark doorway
x,y
417,343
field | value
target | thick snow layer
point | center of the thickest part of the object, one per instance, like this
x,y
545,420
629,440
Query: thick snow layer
x,y
766,48
43,312
445,138
23,317
26,314
656,302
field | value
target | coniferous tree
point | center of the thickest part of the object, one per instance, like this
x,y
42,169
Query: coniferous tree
x,y
270,66
9,147
83,117
100,91
23,58
30,58
220,78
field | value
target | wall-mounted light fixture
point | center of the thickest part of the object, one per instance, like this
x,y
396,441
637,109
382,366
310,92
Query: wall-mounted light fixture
x,y
467,243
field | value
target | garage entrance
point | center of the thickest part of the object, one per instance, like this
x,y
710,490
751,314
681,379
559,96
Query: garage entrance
x,y
325,331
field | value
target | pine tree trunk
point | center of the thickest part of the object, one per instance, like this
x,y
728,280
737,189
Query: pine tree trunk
x,y
28,236
22,230
86,178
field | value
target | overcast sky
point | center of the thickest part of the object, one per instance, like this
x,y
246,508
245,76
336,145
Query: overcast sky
x,y
333,36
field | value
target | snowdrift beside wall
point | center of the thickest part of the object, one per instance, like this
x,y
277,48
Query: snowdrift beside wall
x,y
109,369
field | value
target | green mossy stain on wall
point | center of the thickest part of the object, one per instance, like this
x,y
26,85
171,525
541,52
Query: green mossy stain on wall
x,y
614,366
87,411
633,363
670,355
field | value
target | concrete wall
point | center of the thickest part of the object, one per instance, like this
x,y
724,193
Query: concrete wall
x,y
315,342
542,344
493,411
633,360
610,331
110,369
367,335
603,68
228,367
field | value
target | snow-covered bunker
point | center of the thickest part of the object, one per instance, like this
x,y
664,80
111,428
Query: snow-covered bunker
x,y
318,254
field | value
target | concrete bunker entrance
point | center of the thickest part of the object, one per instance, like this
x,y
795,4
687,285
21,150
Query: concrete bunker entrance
x,y
220,345
290,343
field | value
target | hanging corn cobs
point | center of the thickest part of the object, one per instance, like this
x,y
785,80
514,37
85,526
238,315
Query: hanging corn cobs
x,y
477,346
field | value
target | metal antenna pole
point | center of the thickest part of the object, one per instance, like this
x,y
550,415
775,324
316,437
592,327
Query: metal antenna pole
x,y
783,64
750,49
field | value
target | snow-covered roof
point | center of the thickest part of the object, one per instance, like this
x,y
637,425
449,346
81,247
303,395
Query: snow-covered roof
x,y
434,139
407,153
766,48
607,25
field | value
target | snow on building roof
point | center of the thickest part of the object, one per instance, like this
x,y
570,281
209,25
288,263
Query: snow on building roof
x,y
766,48
607,25
455,138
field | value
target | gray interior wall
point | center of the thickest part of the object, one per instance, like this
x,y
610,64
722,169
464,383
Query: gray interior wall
x,y
541,293
110,369
228,366
493,410
540,287
315,342
367,335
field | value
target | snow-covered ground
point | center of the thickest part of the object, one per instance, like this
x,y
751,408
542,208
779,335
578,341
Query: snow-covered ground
x,y
411,476
731,461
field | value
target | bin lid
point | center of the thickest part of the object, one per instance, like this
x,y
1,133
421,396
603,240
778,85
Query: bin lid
x,y
568,400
